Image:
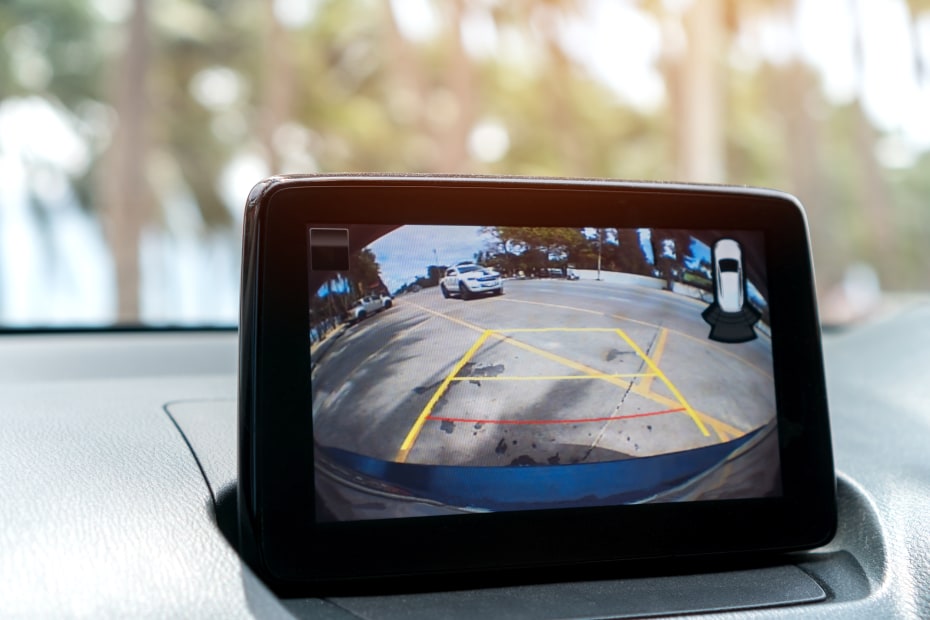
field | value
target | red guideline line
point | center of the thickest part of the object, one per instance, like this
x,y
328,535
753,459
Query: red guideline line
x,y
576,421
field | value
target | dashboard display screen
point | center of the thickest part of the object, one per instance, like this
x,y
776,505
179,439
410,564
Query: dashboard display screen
x,y
464,369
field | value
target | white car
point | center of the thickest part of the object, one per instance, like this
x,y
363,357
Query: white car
x,y
469,279
728,272
369,305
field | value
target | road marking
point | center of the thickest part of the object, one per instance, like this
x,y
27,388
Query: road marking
x,y
722,429
414,431
518,330
542,303
566,421
665,380
448,318
554,377
699,418
704,342
588,370
646,383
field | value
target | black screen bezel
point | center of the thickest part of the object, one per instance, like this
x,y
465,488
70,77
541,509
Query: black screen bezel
x,y
276,457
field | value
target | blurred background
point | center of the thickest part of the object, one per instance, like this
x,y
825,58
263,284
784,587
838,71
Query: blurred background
x,y
131,131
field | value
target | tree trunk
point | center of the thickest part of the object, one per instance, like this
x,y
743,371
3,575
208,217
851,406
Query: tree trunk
x,y
126,195
695,81
277,86
454,153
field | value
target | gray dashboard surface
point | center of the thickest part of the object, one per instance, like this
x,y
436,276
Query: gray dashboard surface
x,y
209,428
106,509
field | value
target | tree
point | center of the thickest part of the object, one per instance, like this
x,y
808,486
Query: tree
x,y
538,248
364,272
629,255
127,199
347,89
694,78
670,248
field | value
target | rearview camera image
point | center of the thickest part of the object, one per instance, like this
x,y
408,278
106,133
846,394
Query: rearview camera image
x,y
464,369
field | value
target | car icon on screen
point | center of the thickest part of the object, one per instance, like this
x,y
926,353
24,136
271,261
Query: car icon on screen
x,y
730,317
728,271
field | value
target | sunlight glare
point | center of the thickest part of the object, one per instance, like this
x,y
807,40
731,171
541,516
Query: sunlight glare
x,y
489,141
621,46
417,19
479,34
295,14
216,88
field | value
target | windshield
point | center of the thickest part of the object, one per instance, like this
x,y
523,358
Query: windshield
x,y
132,131
729,264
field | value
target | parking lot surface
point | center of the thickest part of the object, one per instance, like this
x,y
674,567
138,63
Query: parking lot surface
x,y
552,372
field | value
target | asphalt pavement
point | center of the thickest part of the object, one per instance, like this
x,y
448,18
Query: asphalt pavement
x,y
551,372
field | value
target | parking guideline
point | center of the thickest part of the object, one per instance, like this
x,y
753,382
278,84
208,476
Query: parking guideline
x,y
642,387
421,419
671,386
621,317
646,383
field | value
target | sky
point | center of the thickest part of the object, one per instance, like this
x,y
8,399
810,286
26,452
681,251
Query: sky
x,y
406,253
699,253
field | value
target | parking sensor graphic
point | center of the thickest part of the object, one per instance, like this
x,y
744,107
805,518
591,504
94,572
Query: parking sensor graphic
x,y
730,316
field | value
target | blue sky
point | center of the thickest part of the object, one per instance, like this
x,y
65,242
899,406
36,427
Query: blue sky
x,y
698,252
404,254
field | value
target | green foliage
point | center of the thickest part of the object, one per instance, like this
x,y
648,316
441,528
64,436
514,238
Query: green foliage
x,y
346,91
56,39
536,250
698,280
364,272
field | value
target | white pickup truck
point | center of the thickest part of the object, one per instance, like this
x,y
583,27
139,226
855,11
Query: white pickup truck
x,y
368,306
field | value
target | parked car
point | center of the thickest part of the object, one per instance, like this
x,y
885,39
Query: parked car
x,y
567,274
469,279
368,306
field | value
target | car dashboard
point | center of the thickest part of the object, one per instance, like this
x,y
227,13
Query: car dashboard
x,y
118,481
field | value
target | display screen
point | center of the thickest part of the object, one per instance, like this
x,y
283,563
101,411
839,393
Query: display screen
x,y
464,369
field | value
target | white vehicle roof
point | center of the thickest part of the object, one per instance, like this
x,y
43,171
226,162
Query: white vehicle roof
x,y
727,248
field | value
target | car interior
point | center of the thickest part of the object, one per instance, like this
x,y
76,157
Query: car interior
x,y
131,133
